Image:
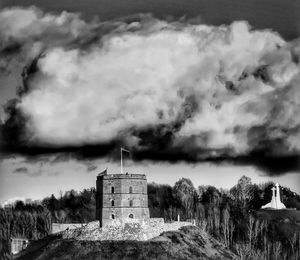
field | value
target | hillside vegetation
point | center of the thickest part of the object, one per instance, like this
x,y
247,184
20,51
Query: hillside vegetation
x,y
233,216
187,243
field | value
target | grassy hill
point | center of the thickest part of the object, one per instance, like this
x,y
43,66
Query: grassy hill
x,y
188,243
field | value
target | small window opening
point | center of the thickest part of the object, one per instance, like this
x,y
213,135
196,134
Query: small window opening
x,y
130,189
130,203
112,189
131,216
112,203
112,216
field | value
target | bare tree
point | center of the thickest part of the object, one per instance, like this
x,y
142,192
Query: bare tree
x,y
225,227
243,190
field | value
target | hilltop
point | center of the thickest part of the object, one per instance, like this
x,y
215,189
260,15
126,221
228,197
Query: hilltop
x,y
189,242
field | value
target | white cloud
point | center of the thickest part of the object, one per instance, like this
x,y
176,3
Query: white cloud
x,y
148,74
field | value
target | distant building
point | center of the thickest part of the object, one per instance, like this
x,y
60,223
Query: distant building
x,y
121,197
18,244
275,202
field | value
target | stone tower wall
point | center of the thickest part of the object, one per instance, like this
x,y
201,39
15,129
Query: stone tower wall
x,y
121,196
99,198
123,200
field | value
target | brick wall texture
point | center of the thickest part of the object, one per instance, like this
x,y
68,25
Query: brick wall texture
x,y
121,196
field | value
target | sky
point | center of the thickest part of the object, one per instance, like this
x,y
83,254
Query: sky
x,y
44,180
206,90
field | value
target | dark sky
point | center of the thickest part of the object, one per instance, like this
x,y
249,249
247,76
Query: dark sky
x,y
282,16
51,175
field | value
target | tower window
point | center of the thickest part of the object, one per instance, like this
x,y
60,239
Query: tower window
x,y
130,203
112,189
130,189
112,203
112,216
131,216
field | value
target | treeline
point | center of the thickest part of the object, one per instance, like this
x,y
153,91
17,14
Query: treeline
x,y
33,221
72,207
27,221
231,216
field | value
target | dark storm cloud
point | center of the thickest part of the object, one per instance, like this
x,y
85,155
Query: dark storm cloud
x,y
166,91
281,16
262,160
22,170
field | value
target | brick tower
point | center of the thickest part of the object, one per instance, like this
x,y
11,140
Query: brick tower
x,y
121,196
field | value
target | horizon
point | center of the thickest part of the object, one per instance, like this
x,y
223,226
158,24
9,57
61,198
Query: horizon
x,y
47,188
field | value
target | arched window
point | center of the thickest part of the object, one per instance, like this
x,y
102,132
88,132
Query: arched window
x,y
130,203
131,216
112,189
112,216
112,203
130,189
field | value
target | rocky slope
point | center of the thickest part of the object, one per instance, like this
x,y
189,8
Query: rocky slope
x,y
189,242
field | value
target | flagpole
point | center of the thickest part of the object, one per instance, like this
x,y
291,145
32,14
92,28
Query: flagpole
x,y
122,149
121,162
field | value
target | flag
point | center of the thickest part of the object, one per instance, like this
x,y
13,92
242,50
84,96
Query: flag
x,y
124,150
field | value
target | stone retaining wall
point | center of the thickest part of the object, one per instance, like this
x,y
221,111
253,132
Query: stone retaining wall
x,y
58,227
124,230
